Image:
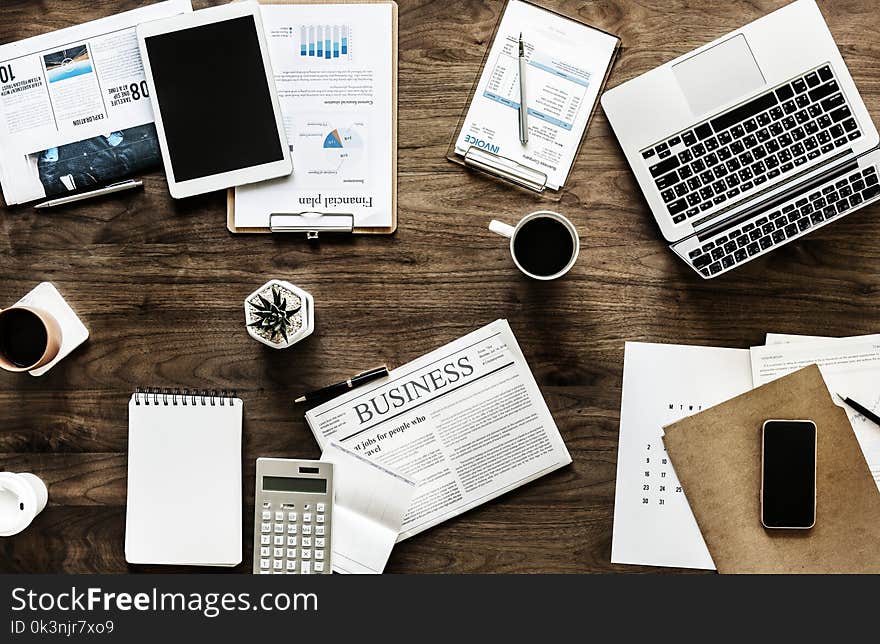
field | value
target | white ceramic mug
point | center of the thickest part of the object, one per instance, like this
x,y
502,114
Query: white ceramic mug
x,y
506,230
22,497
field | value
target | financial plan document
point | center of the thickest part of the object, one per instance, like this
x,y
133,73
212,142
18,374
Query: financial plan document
x,y
333,68
566,62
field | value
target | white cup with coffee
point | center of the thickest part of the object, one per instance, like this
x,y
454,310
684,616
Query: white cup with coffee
x,y
544,244
22,497
30,338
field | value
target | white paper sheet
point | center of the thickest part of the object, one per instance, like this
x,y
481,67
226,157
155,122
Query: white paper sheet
x,y
368,508
337,112
850,366
662,383
788,338
182,458
566,64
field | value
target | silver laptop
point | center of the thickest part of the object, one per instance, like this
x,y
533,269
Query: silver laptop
x,y
749,142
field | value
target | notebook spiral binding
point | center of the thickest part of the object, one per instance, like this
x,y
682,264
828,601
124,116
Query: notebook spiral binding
x,y
184,397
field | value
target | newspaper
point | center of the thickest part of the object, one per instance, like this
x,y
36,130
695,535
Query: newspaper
x,y
368,509
74,107
466,422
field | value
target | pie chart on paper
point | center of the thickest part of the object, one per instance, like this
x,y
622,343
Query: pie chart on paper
x,y
333,140
343,151
337,151
342,138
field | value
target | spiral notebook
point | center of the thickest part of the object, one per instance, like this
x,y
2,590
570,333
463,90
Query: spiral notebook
x,y
184,478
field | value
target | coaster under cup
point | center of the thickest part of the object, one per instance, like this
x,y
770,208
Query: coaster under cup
x,y
73,332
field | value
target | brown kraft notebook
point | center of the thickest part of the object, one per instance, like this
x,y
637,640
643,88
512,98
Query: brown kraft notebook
x,y
717,457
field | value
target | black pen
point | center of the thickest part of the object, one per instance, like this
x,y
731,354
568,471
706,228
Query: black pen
x,y
867,413
341,387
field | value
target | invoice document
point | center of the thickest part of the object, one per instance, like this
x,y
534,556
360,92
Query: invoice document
x,y
663,383
466,422
566,64
368,509
850,367
333,69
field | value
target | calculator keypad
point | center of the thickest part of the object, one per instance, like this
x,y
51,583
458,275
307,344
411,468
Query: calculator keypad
x,y
281,527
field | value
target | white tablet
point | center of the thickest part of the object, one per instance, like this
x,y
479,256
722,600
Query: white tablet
x,y
214,100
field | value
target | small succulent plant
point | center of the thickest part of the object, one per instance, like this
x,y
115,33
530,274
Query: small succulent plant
x,y
273,319
279,314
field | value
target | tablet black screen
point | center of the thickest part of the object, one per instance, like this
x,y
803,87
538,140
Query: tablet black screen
x,y
211,87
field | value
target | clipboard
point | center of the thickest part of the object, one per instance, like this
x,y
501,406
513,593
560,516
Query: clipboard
x,y
310,222
488,163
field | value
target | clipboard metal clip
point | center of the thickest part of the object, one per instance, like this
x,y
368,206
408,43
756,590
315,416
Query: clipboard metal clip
x,y
506,169
311,223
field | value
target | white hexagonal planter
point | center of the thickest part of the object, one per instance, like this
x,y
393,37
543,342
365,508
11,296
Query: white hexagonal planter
x,y
279,314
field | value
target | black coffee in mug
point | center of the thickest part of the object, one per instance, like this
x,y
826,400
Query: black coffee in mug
x,y
23,337
543,246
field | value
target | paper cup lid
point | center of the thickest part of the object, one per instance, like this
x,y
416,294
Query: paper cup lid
x,y
18,504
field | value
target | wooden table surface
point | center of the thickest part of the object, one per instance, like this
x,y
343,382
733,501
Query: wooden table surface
x,y
160,283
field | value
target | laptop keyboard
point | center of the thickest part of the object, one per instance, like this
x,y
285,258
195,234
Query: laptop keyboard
x,y
762,233
743,148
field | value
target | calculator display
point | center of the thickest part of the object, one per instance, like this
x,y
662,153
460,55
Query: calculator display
x,y
290,484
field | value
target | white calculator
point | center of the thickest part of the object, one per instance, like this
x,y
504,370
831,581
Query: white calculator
x,y
292,510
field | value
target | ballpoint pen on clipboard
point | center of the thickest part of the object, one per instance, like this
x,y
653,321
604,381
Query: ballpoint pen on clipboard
x,y
523,107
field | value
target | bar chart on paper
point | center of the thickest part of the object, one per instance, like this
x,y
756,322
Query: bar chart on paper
x,y
325,41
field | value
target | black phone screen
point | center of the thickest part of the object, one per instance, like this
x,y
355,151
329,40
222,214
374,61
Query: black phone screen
x,y
788,486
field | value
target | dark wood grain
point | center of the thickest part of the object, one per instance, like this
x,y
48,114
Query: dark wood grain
x,y
159,283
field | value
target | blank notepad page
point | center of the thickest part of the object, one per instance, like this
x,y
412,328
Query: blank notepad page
x,y
184,481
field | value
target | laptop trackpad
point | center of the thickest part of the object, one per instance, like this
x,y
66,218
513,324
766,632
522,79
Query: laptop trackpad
x,y
719,75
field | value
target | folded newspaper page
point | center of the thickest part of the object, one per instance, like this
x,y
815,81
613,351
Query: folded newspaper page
x,y
466,422
75,107
369,504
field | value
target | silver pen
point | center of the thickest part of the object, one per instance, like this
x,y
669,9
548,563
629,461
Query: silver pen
x,y
523,108
130,184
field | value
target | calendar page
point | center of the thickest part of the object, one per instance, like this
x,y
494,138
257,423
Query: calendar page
x,y
663,383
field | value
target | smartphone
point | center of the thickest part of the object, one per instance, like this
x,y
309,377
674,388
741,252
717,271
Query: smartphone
x,y
788,474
